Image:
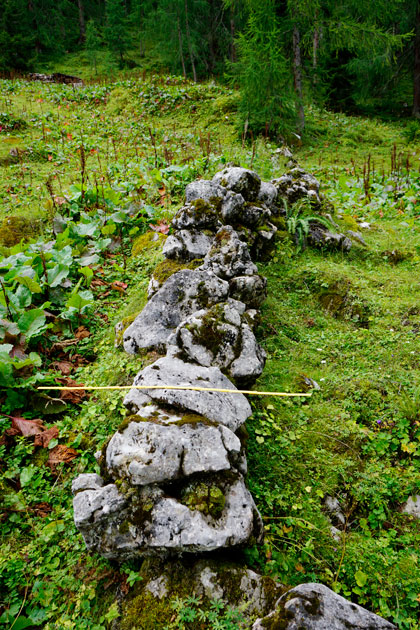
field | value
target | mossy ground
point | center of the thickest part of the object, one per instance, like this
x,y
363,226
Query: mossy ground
x,y
355,439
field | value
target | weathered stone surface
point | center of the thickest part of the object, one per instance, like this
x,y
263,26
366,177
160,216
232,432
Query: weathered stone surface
x,y
187,245
146,452
197,215
208,579
148,521
268,194
87,481
183,293
232,207
205,189
316,607
239,180
412,506
222,337
228,256
320,236
297,184
252,290
222,408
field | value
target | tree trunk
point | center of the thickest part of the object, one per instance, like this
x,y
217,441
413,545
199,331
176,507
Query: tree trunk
x,y
233,56
82,26
187,32
297,77
416,73
181,52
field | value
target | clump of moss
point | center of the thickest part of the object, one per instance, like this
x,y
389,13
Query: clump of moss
x,y
122,327
194,418
167,268
398,255
146,241
349,223
132,418
208,499
15,229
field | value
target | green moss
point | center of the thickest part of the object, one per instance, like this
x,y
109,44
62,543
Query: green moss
x,y
349,223
147,241
133,418
125,323
168,267
146,612
194,418
208,499
15,229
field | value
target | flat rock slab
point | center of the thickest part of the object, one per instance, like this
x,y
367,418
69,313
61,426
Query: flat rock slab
x,y
230,410
146,452
149,522
183,293
316,607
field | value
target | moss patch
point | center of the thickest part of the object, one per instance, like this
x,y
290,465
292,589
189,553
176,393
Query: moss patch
x,y
208,499
146,241
15,229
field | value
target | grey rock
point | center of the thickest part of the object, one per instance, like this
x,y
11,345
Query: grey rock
x,y
320,236
187,245
221,336
146,452
147,521
333,506
252,290
228,256
158,587
197,215
183,293
268,194
232,207
239,180
222,408
412,506
205,189
296,184
86,481
316,607
356,236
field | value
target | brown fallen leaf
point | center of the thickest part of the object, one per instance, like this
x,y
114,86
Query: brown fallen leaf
x,y
60,454
82,332
44,438
27,427
65,367
119,286
161,227
72,396
42,509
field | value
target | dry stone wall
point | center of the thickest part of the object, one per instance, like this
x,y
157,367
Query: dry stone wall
x,y
172,479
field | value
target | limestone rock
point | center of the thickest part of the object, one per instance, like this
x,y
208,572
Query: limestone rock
x,y
205,189
412,506
268,194
228,256
222,408
252,290
222,337
232,207
147,521
316,607
87,481
320,236
146,452
187,245
239,180
197,215
183,293
296,184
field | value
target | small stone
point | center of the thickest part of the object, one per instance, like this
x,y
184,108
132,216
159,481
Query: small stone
x,y
412,506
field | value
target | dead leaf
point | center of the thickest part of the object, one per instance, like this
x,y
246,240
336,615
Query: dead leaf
x,y
73,396
44,438
42,509
119,286
65,367
27,427
161,227
82,332
60,454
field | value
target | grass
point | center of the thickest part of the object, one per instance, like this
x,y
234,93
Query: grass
x,y
349,321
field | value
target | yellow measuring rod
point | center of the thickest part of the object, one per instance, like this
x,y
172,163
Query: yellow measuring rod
x,y
177,387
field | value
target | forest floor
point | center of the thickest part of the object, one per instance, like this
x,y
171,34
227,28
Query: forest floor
x,y
349,321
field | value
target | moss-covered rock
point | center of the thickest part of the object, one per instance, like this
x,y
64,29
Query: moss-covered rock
x,y
15,229
146,241
206,498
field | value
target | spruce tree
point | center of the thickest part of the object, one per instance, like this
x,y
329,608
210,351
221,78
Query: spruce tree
x,y
117,33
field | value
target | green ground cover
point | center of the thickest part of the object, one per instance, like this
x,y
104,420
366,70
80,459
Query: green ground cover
x,y
113,158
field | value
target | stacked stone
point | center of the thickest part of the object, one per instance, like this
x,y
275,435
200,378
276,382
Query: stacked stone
x,y
172,476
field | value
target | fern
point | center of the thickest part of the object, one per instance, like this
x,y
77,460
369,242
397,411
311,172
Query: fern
x,y
298,222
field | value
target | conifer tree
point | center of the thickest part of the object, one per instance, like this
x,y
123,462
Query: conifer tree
x,y
117,33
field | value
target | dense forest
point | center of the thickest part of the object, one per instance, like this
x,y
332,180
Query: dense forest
x,y
281,54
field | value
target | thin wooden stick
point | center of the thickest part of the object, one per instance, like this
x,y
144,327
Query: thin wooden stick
x,y
177,387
